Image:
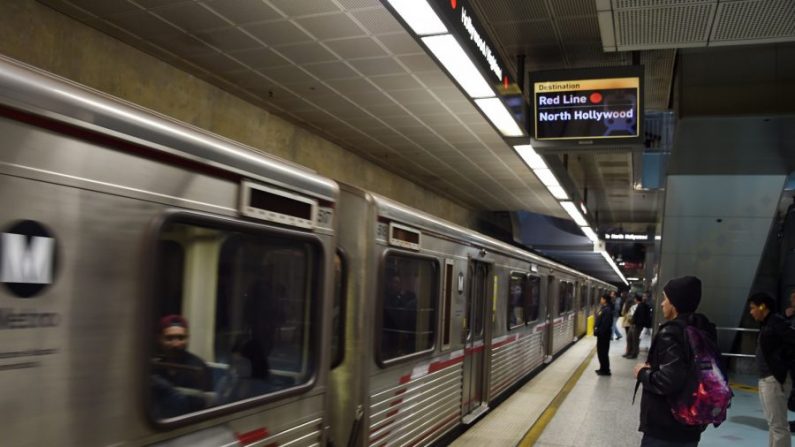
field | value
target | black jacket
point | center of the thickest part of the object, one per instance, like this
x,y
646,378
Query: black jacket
x,y
603,327
665,378
642,316
777,340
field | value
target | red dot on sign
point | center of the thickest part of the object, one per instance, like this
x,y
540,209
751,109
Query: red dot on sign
x,y
453,3
596,97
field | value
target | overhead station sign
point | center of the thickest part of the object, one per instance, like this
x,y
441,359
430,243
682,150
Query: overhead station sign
x,y
463,23
583,106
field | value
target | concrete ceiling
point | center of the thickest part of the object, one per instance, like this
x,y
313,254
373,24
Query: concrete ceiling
x,y
348,70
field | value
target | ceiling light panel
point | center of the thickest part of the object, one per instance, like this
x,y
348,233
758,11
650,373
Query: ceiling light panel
x,y
590,234
546,177
558,192
498,114
571,210
449,52
419,15
529,155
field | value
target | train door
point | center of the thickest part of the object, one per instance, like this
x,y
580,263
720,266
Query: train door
x,y
551,311
474,399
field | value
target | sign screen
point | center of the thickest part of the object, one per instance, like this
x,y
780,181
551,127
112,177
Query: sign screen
x,y
583,108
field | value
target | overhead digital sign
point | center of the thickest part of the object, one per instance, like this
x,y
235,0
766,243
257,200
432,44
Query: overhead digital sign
x,y
463,23
585,106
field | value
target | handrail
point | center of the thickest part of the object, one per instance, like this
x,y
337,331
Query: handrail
x,y
738,329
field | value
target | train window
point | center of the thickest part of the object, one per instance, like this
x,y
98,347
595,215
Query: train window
x,y
243,329
409,301
565,296
338,318
517,289
583,297
532,298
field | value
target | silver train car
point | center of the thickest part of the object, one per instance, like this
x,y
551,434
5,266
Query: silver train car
x,y
439,322
308,313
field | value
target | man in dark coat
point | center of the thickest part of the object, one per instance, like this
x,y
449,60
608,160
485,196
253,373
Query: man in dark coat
x,y
603,329
774,349
665,372
640,319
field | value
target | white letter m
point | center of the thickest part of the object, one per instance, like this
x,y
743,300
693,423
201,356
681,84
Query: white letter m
x,y
23,263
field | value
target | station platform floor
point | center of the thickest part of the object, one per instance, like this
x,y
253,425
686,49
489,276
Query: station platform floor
x,y
568,405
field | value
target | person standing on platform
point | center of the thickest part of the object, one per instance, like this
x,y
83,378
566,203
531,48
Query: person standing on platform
x,y
667,368
603,329
633,333
617,302
774,348
789,312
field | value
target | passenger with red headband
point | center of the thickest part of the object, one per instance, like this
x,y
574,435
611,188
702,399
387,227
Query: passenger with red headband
x,y
179,376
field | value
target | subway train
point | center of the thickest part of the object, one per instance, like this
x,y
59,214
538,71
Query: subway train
x,y
305,312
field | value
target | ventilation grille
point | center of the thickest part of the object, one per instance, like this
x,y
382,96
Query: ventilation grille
x,y
754,20
663,27
656,24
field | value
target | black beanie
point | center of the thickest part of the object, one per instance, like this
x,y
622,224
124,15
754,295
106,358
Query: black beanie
x,y
684,293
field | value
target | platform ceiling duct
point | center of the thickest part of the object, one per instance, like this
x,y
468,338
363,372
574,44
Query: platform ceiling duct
x,y
562,240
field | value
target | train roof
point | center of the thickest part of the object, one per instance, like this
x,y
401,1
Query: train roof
x,y
34,91
394,210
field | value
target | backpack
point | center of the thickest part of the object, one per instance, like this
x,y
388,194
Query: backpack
x,y
706,395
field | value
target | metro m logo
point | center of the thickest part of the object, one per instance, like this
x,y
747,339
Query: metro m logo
x,y
26,263
28,258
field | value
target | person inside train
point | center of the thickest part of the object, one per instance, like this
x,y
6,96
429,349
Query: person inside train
x,y
264,316
400,317
603,330
775,348
179,378
666,371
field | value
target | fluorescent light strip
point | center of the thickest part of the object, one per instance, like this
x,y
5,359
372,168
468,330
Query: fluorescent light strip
x,y
633,279
499,115
575,215
419,15
537,163
530,157
557,192
459,65
590,234
547,177
615,267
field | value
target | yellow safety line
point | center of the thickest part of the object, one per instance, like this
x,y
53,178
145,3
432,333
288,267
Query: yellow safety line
x,y
743,387
540,424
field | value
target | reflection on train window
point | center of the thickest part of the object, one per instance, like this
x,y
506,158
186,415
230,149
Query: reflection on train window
x,y
583,297
338,318
524,296
533,298
409,306
242,328
517,289
565,297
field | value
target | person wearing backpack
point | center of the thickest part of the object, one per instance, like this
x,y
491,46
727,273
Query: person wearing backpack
x,y
773,359
667,370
